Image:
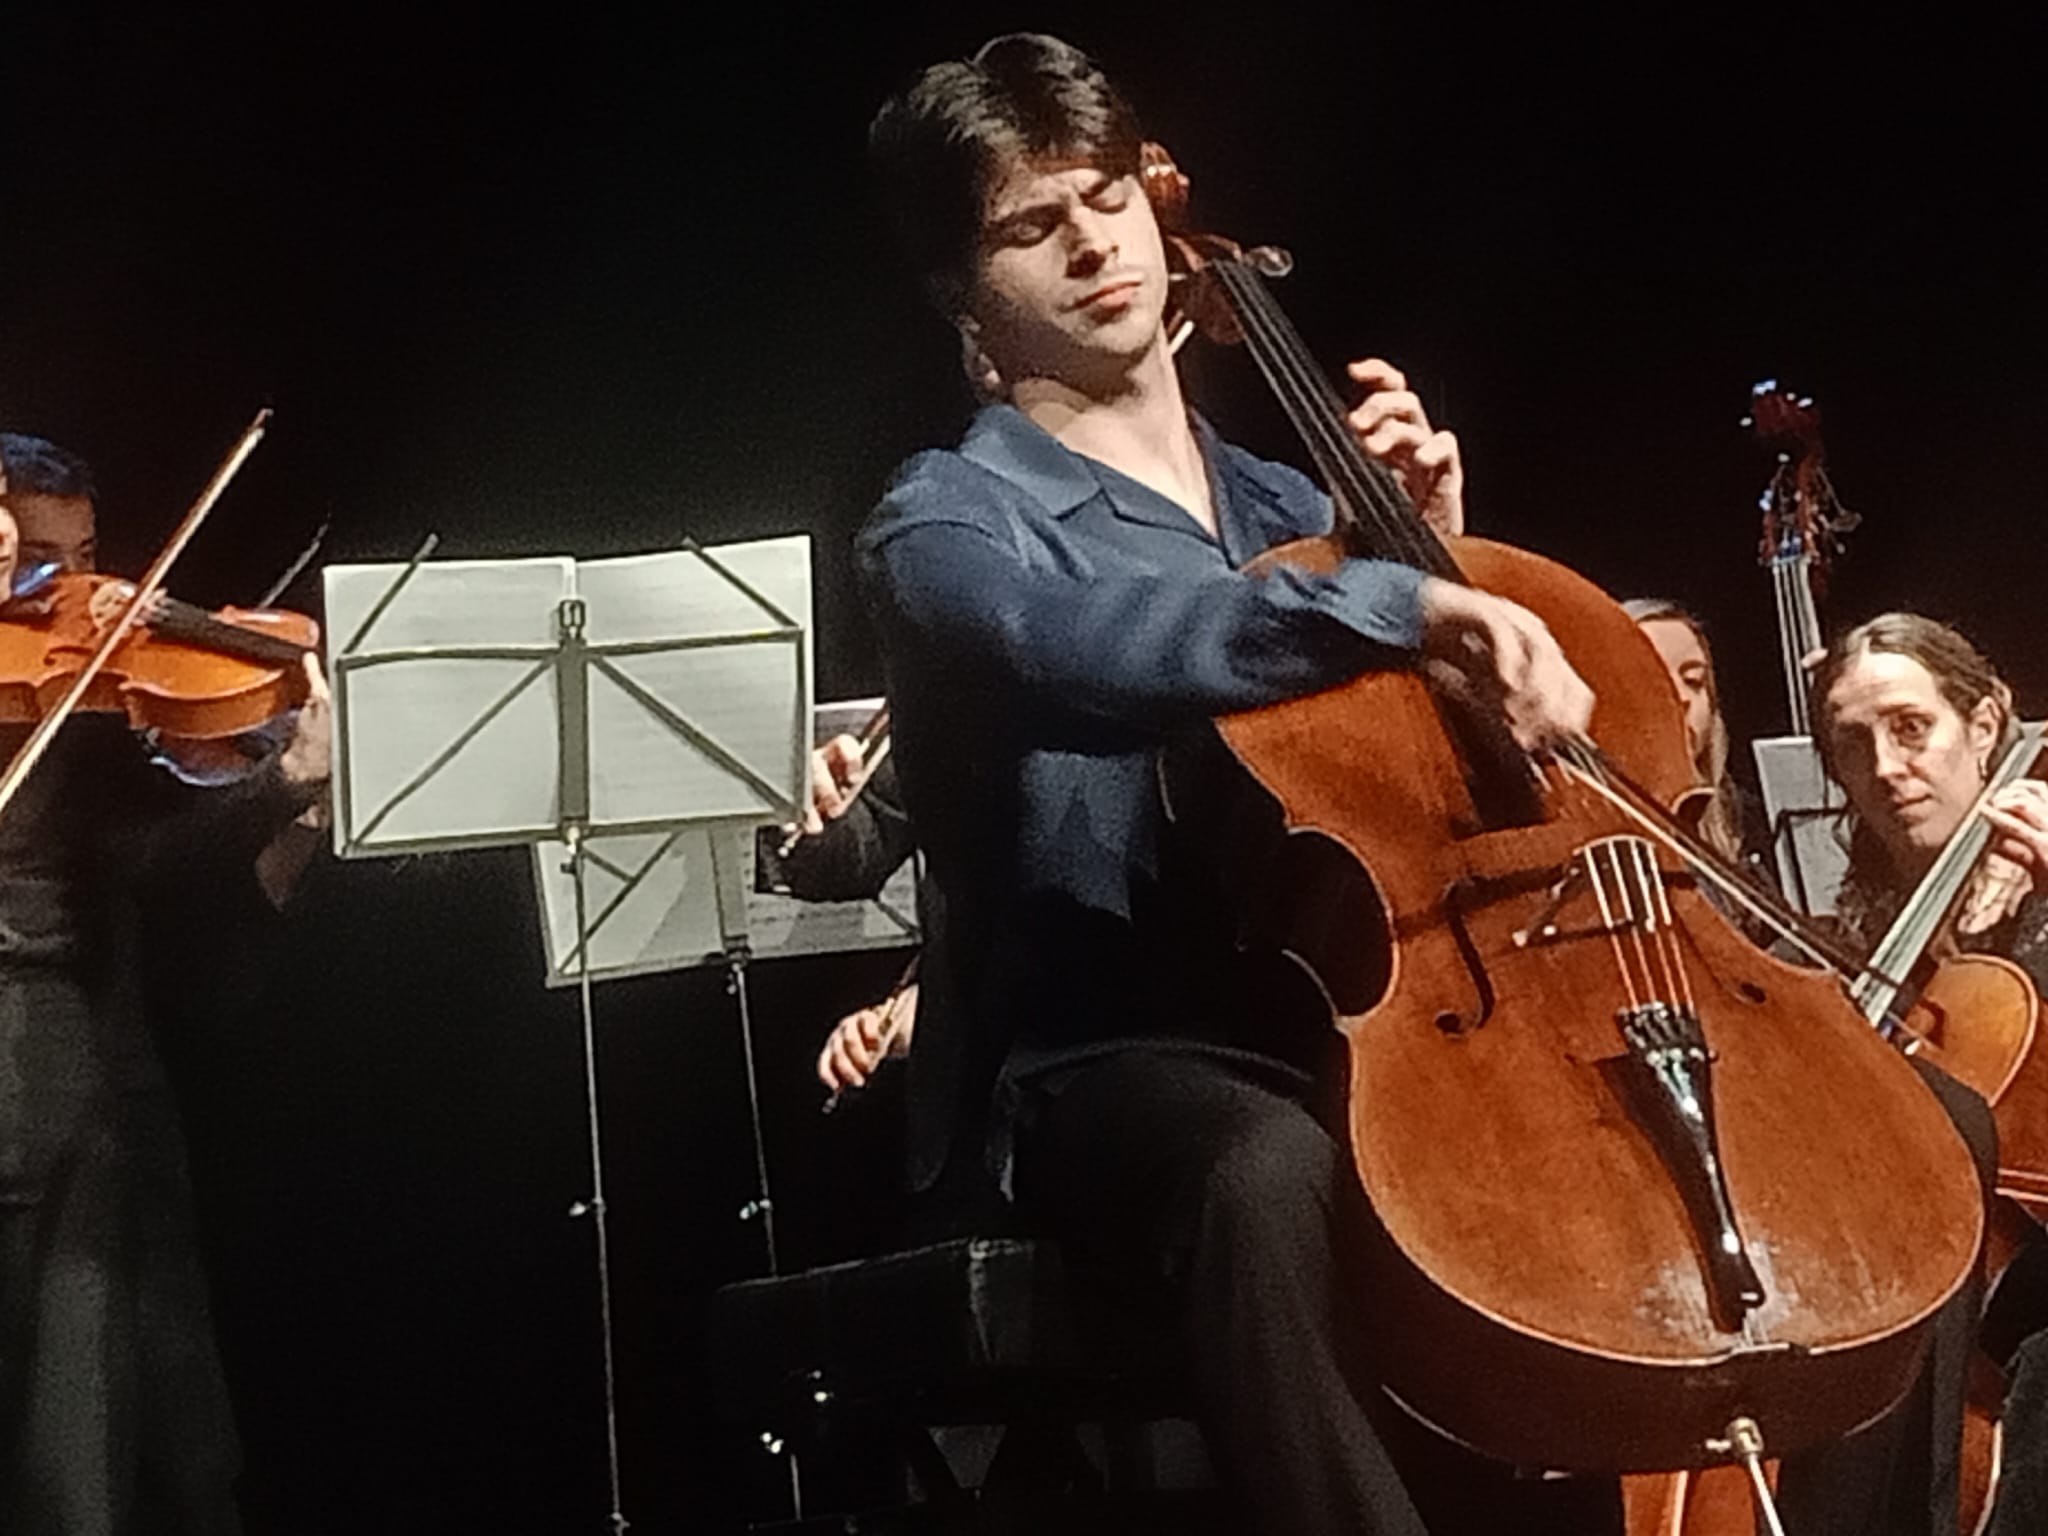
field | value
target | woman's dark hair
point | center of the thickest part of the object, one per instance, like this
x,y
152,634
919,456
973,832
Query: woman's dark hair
x,y
1965,679
38,467
936,148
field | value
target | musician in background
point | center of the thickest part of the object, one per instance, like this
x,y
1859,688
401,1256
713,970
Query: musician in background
x,y
1059,597
113,1412
856,834
1910,719
1730,822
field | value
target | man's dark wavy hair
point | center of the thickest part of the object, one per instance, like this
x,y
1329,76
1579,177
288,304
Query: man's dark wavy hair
x,y
38,467
936,148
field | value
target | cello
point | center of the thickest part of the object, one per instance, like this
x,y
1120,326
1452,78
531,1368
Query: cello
x,y
1628,1206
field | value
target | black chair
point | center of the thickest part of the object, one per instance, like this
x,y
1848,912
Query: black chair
x,y
866,1370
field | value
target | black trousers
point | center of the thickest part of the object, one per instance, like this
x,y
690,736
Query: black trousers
x,y
1900,1475
1187,1175
113,1413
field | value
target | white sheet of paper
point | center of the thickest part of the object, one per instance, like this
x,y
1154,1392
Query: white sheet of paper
x,y
394,721
749,697
652,906
440,751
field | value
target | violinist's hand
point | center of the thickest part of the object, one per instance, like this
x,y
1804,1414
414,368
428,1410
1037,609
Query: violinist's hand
x,y
1508,656
1393,427
2019,815
836,771
106,601
861,1041
308,758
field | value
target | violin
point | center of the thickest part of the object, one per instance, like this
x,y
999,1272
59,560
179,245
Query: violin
x,y
180,672
62,666
1629,1202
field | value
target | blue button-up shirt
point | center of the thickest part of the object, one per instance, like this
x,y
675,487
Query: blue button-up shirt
x,y
1048,624
1048,621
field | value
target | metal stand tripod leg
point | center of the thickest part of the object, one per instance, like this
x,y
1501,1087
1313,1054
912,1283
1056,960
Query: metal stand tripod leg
x,y
762,1206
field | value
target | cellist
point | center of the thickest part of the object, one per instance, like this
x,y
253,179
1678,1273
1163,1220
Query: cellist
x,y
1056,597
113,1412
1910,718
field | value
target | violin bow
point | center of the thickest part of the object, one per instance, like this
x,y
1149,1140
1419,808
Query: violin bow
x,y
874,740
145,593
303,559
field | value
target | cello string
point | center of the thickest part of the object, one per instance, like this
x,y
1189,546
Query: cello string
x,y
1583,760
1318,414
1657,919
1609,926
1632,912
1314,409
1366,480
1305,396
1297,398
1590,767
1667,924
1664,984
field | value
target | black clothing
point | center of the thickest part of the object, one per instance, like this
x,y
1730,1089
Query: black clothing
x,y
112,1406
948,1079
2017,1331
1049,626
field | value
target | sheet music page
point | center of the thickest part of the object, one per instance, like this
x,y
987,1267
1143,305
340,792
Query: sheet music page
x,y
717,728
444,750
653,907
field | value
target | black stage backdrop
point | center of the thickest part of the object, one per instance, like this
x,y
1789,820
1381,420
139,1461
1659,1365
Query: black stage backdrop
x,y
588,284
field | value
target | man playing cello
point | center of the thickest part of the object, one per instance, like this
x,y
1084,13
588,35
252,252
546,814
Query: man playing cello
x,y
1057,597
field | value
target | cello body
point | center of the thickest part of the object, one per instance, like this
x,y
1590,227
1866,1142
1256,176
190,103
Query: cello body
x,y
1566,1297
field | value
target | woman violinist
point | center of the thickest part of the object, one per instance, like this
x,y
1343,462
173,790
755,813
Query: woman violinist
x,y
113,1415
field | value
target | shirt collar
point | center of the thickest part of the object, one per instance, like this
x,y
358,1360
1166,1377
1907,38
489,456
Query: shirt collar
x,y
1005,440
1257,504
